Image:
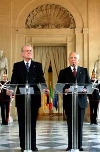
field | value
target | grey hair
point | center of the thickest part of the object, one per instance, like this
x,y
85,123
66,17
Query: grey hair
x,y
26,45
78,56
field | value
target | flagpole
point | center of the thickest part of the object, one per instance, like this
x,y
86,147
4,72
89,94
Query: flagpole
x,y
51,101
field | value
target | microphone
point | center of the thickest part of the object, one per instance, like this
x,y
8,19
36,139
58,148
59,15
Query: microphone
x,y
27,87
27,76
74,73
73,65
27,67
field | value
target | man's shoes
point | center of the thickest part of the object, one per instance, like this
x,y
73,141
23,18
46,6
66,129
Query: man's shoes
x,y
22,150
4,123
68,149
95,123
35,149
81,149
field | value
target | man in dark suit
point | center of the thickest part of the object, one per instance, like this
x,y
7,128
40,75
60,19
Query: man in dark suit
x,y
31,74
66,76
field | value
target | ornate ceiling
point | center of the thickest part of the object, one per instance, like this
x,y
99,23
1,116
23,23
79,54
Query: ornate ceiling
x,y
50,16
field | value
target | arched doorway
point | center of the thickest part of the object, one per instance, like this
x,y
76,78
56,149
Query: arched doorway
x,y
53,36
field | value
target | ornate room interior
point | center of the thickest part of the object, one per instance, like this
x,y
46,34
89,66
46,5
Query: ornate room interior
x,y
54,28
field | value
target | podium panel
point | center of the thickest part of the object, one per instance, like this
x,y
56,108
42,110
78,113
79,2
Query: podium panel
x,y
74,90
89,87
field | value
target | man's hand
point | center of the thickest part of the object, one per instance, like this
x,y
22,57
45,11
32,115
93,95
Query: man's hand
x,y
84,90
9,92
66,91
46,91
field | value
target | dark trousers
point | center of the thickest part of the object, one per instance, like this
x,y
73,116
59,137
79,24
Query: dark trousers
x,y
93,111
5,109
21,121
81,112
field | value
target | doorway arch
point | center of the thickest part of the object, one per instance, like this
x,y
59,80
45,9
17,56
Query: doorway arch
x,y
36,37
21,18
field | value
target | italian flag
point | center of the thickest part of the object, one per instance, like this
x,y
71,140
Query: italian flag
x,y
51,98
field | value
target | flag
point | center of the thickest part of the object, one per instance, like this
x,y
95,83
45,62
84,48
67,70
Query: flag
x,y
55,101
51,98
47,97
46,102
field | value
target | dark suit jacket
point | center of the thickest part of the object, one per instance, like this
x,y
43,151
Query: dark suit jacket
x,y
34,76
3,96
66,76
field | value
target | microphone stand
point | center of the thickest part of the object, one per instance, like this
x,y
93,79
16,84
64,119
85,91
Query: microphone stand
x,y
75,117
27,116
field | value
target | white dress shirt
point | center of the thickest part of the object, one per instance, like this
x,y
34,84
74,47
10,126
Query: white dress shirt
x,y
29,62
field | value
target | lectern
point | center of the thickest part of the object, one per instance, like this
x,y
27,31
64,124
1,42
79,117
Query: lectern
x,y
75,90
28,90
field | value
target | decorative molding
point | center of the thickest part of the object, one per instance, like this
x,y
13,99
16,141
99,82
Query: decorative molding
x,y
79,30
70,39
50,16
85,30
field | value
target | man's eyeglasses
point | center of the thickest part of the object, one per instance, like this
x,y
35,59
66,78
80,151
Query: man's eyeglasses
x,y
27,51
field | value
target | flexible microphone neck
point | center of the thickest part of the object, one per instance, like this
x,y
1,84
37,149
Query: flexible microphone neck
x,y
27,76
27,67
73,65
74,68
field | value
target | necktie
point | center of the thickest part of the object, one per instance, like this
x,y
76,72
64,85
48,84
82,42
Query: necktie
x,y
74,72
27,66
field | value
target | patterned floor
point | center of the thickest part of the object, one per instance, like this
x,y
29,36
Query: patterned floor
x,y
51,136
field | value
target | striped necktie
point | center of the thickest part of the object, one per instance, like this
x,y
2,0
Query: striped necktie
x,y
27,66
74,72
